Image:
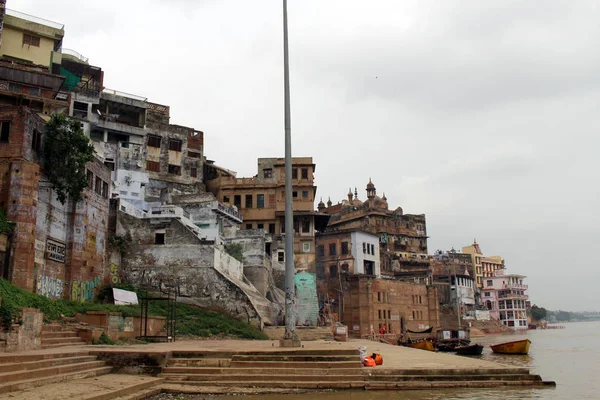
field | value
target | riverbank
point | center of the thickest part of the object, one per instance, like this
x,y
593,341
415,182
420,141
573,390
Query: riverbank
x,y
245,366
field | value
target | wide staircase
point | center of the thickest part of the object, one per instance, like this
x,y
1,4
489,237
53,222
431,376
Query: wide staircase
x,y
23,371
286,369
57,335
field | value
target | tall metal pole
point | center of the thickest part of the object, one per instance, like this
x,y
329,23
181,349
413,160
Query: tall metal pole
x,y
290,270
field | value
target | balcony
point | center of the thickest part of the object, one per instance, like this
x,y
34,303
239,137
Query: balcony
x,y
228,212
168,211
515,286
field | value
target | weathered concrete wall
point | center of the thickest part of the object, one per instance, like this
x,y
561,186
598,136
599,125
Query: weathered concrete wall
x,y
307,304
26,336
303,332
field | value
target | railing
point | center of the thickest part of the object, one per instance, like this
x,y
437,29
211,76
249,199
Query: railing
x,y
514,286
172,211
124,94
75,54
35,19
228,210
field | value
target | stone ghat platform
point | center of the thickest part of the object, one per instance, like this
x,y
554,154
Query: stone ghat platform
x,y
237,366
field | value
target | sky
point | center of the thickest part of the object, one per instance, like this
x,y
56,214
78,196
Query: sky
x,y
483,115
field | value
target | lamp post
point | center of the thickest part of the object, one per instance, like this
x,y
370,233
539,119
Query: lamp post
x,y
290,338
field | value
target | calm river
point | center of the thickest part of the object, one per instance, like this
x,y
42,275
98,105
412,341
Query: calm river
x,y
570,357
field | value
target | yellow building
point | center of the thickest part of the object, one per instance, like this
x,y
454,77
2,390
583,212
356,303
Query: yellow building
x,y
485,267
24,37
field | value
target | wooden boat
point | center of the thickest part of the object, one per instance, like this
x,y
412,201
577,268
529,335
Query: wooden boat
x,y
472,350
422,344
515,347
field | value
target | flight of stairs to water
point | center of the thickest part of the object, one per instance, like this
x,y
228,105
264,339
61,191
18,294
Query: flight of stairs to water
x,y
305,369
22,371
57,335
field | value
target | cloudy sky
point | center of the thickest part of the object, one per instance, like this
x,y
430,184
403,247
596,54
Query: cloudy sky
x,y
484,115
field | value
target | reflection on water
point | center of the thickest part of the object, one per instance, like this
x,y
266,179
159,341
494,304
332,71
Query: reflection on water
x,y
570,356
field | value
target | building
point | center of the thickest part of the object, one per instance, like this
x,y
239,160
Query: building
x,y
484,266
506,298
369,304
451,275
261,201
25,38
402,237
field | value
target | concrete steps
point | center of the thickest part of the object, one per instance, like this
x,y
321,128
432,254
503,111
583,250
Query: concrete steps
x,y
251,378
55,335
260,371
19,372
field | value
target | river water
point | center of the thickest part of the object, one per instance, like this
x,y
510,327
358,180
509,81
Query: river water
x,y
570,357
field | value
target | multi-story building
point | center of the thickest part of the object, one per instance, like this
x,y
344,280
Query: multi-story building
x,y
484,266
261,201
402,237
452,276
25,38
505,296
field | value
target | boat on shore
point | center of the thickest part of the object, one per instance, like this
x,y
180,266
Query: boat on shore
x,y
471,350
514,347
422,345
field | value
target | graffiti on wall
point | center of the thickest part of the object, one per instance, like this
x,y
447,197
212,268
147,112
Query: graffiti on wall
x,y
50,287
114,274
84,291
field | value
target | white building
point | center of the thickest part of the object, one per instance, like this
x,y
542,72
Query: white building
x,y
505,296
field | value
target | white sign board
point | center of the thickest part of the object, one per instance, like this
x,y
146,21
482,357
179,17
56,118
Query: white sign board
x,y
124,297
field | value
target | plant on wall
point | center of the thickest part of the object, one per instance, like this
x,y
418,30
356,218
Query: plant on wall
x,y
66,152
6,226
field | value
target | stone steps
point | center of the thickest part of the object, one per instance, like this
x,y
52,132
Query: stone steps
x,y
458,384
450,372
251,378
295,364
138,390
291,372
452,378
35,382
295,358
199,362
140,395
49,371
38,364
58,334
55,335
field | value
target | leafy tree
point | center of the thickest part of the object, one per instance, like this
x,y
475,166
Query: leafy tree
x,y
563,316
66,152
538,313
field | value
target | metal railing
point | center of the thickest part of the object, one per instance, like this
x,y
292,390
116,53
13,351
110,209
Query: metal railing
x,y
124,94
75,54
32,18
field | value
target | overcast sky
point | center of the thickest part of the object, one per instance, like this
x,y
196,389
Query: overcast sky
x,y
484,115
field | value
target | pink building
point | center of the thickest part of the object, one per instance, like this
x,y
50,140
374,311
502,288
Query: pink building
x,y
504,295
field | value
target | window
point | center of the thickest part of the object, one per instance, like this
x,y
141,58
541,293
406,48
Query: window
x,y
110,165
175,145
272,229
194,172
192,154
486,294
364,248
4,131
306,247
159,238
174,169
294,173
295,195
304,173
248,201
152,166
237,200
332,249
248,226
260,226
333,271
372,249
321,250
90,179
280,256
379,297
31,40
379,313
98,187
225,199
267,173
260,200
344,247
389,314
36,141
305,194
306,225
489,282
154,141
105,190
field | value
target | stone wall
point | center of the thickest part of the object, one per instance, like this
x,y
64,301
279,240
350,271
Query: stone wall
x,y
26,336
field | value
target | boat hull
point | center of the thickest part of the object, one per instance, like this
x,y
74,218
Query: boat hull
x,y
472,350
515,347
422,345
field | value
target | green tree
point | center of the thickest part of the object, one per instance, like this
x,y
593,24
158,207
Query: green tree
x,y
538,313
66,152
